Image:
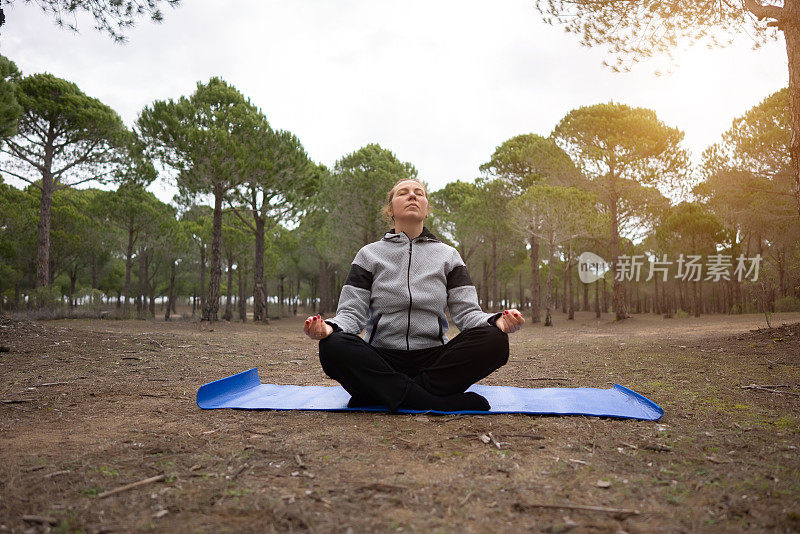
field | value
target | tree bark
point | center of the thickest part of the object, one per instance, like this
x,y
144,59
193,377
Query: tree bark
x,y
170,291
495,262
322,283
43,278
791,32
73,277
485,288
597,299
141,293
228,304
202,291
535,290
619,290
242,296
260,312
564,287
585,297
571,292
281,297
211,307
548,299
95,272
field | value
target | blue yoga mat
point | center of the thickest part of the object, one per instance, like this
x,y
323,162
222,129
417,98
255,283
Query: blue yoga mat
x,y
245,391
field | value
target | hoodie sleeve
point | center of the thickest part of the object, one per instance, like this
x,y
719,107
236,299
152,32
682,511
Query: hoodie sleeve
x,y
353,311
462,298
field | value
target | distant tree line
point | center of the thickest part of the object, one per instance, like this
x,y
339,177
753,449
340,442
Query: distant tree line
x,y
258,230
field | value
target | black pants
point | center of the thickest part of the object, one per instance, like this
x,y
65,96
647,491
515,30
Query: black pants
x,y
383,375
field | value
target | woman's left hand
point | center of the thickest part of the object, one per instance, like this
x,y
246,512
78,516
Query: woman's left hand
x,y
511,321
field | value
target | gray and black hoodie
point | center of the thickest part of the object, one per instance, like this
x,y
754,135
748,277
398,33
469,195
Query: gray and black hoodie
x,y
399,289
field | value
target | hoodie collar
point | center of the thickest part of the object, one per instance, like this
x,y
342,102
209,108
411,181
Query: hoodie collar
x,y
426,235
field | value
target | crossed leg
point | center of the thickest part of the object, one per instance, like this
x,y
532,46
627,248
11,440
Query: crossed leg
x,y
440,382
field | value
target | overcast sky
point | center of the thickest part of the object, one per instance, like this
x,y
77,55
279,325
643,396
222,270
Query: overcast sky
x,y
441,84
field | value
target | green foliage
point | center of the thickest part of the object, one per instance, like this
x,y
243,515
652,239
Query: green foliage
x,y
203,136
46,298
111,17
86,132
354,195
693,227
747,179
636,30
10,110
529,158
618,141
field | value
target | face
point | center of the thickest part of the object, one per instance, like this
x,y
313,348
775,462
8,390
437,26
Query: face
x,y
410,201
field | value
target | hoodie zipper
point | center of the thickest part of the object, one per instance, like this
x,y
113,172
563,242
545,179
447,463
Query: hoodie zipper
x,y
410,301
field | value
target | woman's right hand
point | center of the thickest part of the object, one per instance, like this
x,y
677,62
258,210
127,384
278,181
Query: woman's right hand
x,y
316,328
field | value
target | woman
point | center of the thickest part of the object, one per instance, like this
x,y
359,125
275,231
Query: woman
x,y
399,288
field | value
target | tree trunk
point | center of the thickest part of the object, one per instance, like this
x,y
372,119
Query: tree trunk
x,y
656,303
170,291
242,296
619,290
95,272
280,296
73,277
564,288
45,205
260,312
141,302
548,299
485,288
535,290
791,32
212,302
597,299
202,291
697,298
228,304
571,292
323,278
495,262
152,290
585,297
128,266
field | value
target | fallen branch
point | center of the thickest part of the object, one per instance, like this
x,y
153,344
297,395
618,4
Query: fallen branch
x,y
66,471
14,401
657,448
40,519
530,436
51,384
127,487
580,507
239,472
769,389
561,378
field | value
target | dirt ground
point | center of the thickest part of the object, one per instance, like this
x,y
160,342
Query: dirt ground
x,y
87,406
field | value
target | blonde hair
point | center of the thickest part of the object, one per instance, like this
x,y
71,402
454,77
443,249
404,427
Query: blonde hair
x,y
386,212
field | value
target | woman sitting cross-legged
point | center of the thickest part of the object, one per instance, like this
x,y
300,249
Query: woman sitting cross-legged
x,y
400,288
